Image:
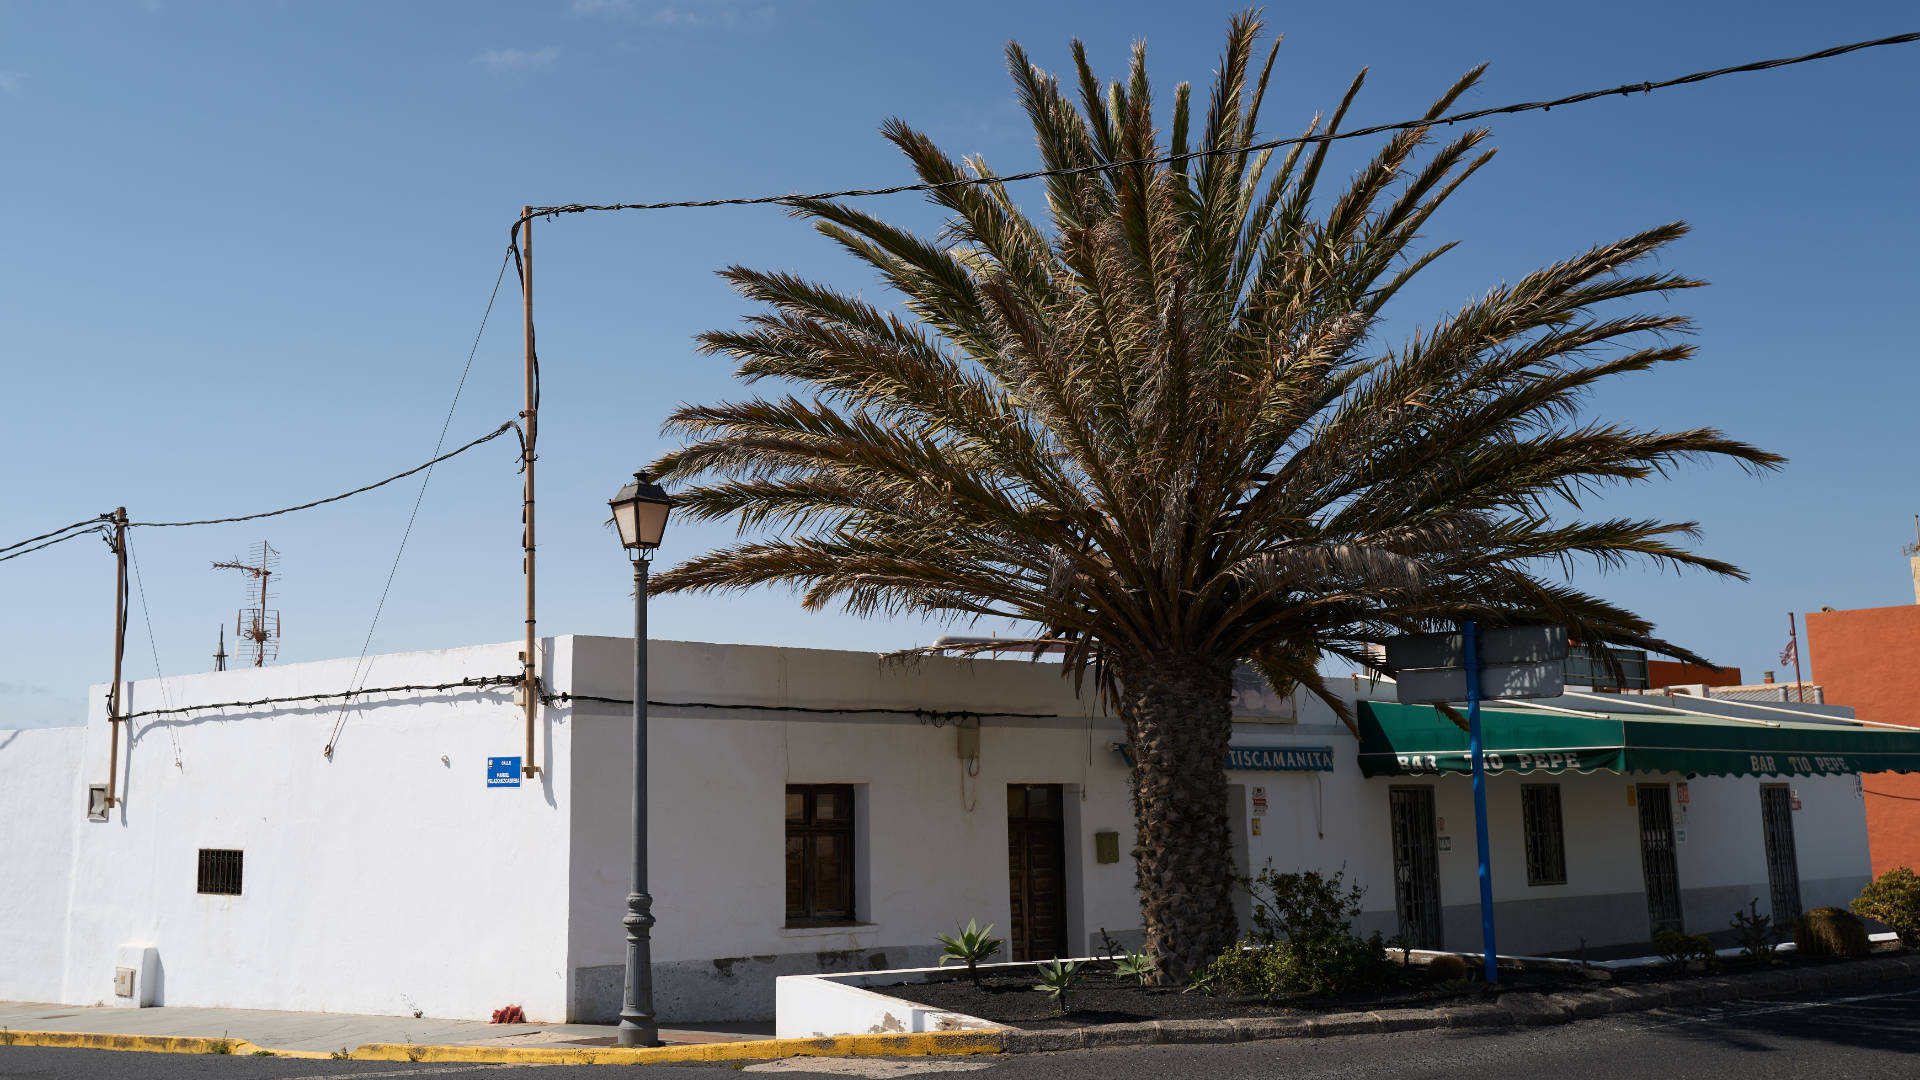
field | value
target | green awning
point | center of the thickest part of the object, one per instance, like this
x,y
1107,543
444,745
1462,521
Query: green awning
x,y
1408,740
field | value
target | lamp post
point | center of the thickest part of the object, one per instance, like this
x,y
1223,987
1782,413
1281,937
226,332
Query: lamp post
x,y
640,513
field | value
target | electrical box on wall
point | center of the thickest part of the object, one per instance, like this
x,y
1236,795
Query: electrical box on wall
x,y
1106,846
96,802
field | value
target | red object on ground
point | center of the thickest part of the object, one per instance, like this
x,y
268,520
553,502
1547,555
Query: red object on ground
x,y
1866,658
509,1015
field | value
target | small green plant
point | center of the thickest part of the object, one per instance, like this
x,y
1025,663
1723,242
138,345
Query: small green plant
x,y
416,1053
1679,949
1405,945
1448,968
6,1037
1139,967
1302,939
1203,980
263,1053
342,1054
1831,931
222,1045
1754,932
970,946
1109,948
1059,978
1893,900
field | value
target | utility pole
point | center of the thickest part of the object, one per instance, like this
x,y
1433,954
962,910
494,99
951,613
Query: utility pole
x,y
119,652
529,671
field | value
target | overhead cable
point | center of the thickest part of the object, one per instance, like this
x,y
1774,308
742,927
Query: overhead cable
x,y
937,715
473,683
50,543
361,669
490,436
90,521
1321,137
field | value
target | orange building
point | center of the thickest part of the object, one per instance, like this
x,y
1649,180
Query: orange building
x,y
1662,673
1866,659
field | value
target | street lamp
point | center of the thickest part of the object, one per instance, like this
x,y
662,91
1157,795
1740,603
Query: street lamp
x,y
640,513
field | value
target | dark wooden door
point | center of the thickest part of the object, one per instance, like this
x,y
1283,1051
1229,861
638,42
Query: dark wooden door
x,y
1783,862
1658,865
1037,871
1416,866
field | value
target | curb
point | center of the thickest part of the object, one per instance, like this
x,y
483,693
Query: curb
x,y
152,1044
908,1045
1516,1009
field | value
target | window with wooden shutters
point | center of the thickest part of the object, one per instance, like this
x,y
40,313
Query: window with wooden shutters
x,y
1546,842
819,854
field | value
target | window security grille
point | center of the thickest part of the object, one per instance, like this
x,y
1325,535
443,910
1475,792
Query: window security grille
x,y
1546,843
220,871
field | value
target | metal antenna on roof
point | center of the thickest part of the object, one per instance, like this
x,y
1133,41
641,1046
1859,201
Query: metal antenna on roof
x,y
257,624
220,654
1914,548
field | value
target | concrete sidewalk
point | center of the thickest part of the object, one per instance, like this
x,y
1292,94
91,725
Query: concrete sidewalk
x,y
332,1032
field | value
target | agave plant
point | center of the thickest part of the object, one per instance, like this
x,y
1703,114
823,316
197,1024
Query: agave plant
x,y
1136,966
971,946
1058,978
1160,428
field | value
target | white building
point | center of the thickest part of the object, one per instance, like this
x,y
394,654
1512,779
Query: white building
x,y
811,810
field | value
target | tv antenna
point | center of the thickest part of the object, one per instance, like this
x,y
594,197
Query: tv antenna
x,y
1914,548
257,626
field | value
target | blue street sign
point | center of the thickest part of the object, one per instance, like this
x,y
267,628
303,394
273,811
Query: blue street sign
x,y
503,772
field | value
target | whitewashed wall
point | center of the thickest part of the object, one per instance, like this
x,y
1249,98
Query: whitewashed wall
x,y
40,798
932,841
386,880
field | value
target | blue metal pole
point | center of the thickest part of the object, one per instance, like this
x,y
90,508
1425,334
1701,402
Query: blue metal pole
x,y
1470,634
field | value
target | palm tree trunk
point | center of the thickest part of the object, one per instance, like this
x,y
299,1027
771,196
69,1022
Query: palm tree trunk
x,y
1179,718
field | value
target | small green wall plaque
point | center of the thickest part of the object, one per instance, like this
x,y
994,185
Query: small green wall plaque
x,y
1106,847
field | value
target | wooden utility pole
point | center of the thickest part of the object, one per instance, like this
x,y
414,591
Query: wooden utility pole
x,y
529,659
119,653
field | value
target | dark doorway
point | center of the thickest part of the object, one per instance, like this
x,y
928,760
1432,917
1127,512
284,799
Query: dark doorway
x,y
1783,865
1037,871
1416,866
1657,863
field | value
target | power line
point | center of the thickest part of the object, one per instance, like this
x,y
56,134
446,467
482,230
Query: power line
x,y
50,543
936,715
160,680
57,532
445,425
494,434
1323,137
478,682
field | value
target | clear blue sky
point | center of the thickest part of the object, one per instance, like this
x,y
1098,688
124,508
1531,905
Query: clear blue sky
x,y
248,245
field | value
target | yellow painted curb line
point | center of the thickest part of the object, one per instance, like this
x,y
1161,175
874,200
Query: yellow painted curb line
x,y
916,1045
152,1044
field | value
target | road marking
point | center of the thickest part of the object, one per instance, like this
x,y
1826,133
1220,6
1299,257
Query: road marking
x,y
1790,1006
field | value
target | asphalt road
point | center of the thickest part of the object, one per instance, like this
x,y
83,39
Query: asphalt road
x,y
1866,1035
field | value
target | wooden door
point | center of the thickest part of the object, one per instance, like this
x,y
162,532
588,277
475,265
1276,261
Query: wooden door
x,y
1037,871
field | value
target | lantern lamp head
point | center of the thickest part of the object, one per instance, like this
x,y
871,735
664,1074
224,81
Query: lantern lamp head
x,y
640,513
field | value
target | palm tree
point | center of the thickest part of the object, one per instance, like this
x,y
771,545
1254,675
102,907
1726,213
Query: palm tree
x,y
1159,429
